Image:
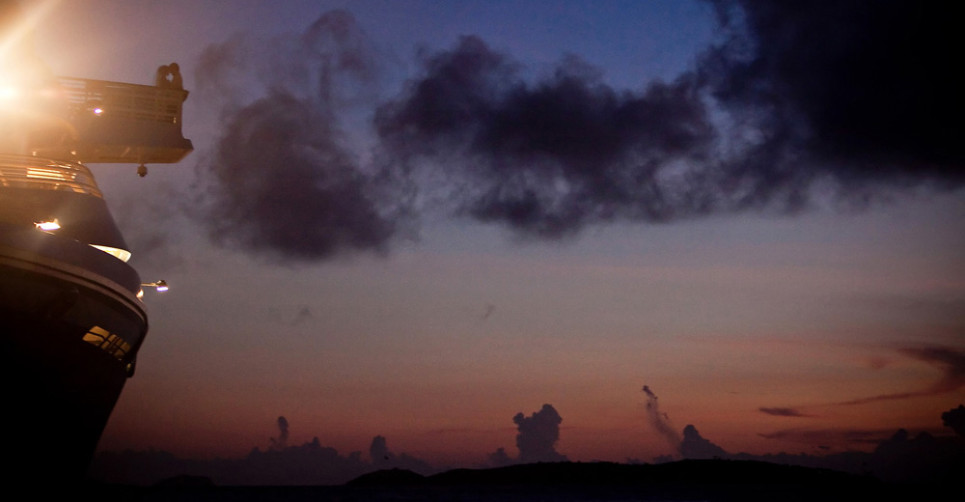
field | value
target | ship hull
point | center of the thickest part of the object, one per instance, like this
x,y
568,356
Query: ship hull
x,y
70,332
60,395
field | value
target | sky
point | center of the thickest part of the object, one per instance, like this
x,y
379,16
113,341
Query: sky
x,y
420,219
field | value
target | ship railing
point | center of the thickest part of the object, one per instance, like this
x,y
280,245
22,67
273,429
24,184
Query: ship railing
x,y
116,122
17,171
124,100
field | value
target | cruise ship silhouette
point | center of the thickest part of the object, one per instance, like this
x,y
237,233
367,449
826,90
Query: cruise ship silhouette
x,y
71,315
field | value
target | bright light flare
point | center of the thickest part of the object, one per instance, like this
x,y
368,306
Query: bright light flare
x,y
9,93
19,70
48,225
33,14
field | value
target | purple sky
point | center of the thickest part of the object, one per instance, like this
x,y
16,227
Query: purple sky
x,y
436,331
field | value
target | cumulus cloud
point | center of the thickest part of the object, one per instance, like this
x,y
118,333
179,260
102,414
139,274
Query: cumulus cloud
x,y
383,458
955,418
694,445
537,436
379,451
499,458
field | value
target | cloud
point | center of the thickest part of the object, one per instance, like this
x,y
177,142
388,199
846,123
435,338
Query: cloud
x,y
547,158
659,420
862,91
950,361
955,418
827,437
766,115
283,181
383,458
694,445
307,464
855,99
538,435
499,458
782,412
690,445
282,442
379,451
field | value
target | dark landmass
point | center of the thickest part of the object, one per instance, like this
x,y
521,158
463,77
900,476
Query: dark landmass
x,y
686,480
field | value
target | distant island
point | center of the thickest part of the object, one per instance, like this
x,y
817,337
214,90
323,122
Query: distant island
x,y
684,480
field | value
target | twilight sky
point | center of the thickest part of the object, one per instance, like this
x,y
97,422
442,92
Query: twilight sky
x,y
418,219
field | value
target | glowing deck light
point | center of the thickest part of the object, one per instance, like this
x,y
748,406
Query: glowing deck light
x,y
98,111
120,254
41,173
161,286
48,226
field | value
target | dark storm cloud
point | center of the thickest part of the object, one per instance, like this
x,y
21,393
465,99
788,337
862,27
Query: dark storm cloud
x,y
857,100
951,363
782,412
538,434
285,185
548,158
860,97
868,92
282,180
